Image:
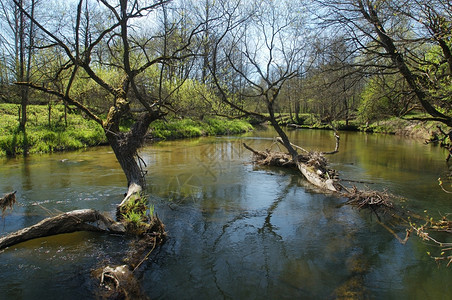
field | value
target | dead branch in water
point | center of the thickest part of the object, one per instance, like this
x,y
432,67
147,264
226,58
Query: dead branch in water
x,y
76,220
368,199
271,158
336,148
312,165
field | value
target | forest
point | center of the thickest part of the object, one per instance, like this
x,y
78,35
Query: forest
x,y
130,66
331,61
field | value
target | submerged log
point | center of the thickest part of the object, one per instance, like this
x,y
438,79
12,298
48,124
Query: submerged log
x,y
76,220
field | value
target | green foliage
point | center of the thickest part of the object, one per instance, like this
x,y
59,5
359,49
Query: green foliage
x,y
385,97
193,99
220,126
42,137
81,133
187,128
133,217
134,214
11,145
187,97
438,79
151,211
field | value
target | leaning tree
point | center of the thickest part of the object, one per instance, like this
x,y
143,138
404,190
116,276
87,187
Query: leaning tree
x,y
102,38
115,36
265,44
408,37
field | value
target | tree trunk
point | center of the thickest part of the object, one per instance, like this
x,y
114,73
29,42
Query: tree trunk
x,y
310,174
77,220
388,44
284,138
125,145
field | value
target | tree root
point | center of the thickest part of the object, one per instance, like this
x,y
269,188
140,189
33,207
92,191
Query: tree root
x,y
120,281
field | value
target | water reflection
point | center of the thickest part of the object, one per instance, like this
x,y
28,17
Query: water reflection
x,y
235,230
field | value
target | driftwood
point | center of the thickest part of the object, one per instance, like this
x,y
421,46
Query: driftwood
x,y
312,165
271,158
76,220
368,199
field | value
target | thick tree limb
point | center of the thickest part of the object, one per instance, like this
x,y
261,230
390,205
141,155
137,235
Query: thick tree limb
x,y
293,145
313,177
76,220
319,178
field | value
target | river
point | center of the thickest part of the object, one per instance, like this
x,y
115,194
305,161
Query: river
x,y
235,231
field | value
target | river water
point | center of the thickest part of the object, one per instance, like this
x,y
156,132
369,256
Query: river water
x,y
235,231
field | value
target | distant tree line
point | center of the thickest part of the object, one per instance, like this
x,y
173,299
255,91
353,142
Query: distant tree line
x,y
345,59
143,60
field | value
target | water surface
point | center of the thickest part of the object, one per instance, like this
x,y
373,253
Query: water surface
x,y
234,230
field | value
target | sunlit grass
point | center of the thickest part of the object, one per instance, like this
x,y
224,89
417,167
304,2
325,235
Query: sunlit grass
x,y
188,128
46,131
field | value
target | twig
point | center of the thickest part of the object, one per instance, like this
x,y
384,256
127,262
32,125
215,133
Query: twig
x,y
147,255
407,236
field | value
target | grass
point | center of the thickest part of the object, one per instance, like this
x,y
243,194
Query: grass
x,y
134,214
405,127
44,136
187,128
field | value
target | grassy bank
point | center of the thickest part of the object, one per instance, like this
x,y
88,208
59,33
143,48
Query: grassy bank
x,y
397,126
410,128
185,128
46,130
49,130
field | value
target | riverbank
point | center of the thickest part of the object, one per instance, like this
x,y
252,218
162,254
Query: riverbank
x,y
396,126
409,128
51,129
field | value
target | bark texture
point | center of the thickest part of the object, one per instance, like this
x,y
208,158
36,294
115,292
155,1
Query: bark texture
x,y
76,220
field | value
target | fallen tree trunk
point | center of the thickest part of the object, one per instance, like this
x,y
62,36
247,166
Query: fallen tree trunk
x,y
315,170
312,165
314,176
76,220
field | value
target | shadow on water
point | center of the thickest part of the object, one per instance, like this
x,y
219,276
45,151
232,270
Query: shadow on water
x,y
234,230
